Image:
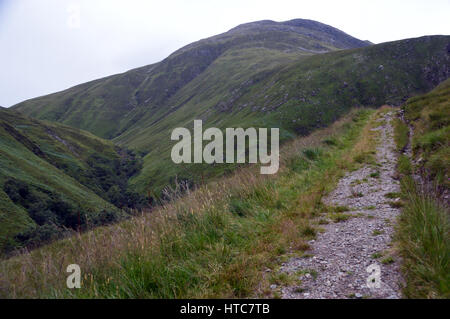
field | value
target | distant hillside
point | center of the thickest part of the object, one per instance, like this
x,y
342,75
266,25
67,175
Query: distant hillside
x,y
298,98
54,178
109,106
297,75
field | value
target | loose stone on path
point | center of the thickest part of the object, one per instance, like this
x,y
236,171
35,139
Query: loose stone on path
x,y
342,254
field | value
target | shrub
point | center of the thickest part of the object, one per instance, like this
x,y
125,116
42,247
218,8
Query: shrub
x,y
112,175
307,230
433,140
297,164
312,153
240,207
404,165
331,141
40,235
401,135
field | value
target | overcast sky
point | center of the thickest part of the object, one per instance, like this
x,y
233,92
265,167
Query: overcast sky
x,y
50,45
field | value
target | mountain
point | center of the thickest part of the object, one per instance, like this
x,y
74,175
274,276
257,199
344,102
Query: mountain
x,y
297,75
109,106
55,178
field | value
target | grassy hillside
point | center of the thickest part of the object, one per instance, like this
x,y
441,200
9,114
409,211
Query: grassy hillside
x,y
214,242
55,178
290,75
424,226
109,106
429,115
298,98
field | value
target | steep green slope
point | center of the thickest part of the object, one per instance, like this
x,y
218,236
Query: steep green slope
x,y
424,224
107,107
429,115
307,94
53,178
287,75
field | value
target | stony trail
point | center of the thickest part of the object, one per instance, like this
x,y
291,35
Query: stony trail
x,y
340,256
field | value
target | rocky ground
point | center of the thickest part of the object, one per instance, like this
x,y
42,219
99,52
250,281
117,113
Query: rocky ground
x,y
337,265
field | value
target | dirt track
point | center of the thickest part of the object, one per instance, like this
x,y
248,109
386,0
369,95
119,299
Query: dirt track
x,y
342,254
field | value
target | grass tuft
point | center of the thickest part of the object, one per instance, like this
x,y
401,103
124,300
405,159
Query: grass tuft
x,y
423,234
401,134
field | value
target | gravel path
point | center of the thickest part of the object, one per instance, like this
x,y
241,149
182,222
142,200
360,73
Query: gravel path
x,y
339,257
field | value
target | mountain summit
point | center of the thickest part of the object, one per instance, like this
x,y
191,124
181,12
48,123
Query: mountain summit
x,y
312,29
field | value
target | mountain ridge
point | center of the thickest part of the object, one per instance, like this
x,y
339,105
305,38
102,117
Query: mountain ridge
x,y
259,77
303,96
298,25
152,85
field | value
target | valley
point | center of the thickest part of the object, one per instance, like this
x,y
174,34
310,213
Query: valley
x,y
88,176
